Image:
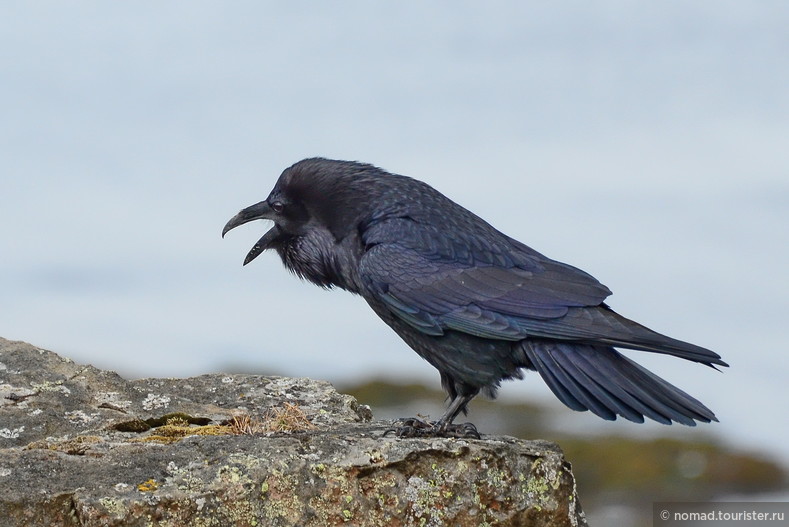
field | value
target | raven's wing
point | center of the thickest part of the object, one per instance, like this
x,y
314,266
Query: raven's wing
x,y
492,286
479,284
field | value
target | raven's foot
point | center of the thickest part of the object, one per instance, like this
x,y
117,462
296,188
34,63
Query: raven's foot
x,y
413,427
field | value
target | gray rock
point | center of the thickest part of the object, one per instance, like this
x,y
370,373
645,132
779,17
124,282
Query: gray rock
x,y
85,447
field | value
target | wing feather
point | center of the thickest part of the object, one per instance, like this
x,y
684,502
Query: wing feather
x,y
479,281
475,285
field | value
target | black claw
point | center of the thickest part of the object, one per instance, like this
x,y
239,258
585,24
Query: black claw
x,y
413,427
409,427
467,430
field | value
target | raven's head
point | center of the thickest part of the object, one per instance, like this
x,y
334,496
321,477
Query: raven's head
x,y
314,193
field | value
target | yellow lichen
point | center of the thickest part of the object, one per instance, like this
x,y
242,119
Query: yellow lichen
x,y
77,446
114,506
148,486
280,498
170,433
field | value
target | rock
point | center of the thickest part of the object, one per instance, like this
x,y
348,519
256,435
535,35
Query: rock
x,y
84,447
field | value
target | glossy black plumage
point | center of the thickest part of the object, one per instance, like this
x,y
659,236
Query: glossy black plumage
x,y
475,303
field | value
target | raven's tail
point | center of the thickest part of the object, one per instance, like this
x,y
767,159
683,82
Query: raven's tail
x,y
600,325
633,335
600,379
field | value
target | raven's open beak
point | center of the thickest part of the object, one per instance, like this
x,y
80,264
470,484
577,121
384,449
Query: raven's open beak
x,y
258,211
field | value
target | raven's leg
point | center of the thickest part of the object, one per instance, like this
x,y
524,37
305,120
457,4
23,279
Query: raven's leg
x,y
457,405
443,427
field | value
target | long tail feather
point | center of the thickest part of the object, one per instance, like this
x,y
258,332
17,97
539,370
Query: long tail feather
x,y
602,325
602,380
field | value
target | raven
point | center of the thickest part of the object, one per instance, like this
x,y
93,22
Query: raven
x,y
476,304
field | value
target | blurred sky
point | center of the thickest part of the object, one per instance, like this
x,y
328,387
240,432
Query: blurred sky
x,y
646,143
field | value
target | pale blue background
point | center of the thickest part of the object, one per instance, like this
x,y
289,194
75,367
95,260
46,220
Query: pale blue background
x,y
647,143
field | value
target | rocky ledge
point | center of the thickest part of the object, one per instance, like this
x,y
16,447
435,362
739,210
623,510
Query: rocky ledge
x,y
82,446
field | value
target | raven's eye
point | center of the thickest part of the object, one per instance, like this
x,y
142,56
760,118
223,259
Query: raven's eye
x,y
277,207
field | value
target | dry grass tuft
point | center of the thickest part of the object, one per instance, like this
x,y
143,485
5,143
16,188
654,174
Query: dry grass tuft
x,y
245,425
287,418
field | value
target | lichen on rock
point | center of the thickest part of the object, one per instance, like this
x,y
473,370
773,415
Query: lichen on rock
x,y
246,450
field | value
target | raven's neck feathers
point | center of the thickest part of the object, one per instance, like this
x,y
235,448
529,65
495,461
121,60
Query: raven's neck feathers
x,y
342,199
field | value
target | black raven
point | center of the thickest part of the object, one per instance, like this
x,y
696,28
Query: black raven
x,y
476,304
